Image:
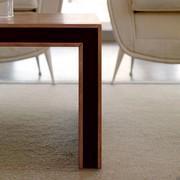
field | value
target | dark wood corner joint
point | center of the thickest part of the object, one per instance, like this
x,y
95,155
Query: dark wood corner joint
x,y
83,31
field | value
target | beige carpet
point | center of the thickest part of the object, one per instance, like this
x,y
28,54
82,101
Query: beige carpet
x,y
38,133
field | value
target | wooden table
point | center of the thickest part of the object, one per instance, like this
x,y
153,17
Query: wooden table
x,y
83,31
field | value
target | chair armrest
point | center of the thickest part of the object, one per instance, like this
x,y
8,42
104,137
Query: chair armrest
x,y
122,19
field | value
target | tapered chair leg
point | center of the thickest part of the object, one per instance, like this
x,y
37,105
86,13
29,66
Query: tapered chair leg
x,y
118,62
132,66
49,62
38,64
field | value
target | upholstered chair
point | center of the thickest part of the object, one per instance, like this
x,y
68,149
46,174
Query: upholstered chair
x,y
146,29
8,54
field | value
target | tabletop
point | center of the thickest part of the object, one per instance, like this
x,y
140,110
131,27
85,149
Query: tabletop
x,y
53,20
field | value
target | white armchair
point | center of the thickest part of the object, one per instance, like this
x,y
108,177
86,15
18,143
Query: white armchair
x,y
146,29
8,54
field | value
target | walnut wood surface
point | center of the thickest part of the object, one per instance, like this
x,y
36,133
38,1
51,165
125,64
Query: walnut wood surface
x,y
50,20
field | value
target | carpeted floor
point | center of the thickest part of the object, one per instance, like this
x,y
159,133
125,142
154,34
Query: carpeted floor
x,y
38,133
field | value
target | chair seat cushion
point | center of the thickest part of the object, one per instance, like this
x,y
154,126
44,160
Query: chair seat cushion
x,y
156,5
19,53
156,39
25,4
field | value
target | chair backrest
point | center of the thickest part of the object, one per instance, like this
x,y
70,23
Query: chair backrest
x,y
25,5
147,29
156,5
123,12
48,6
40,6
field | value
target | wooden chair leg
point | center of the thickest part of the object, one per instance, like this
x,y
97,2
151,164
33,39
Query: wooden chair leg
x,y
118,62
38,64
49,62
132,66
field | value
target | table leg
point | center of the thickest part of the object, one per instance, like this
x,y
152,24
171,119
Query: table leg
x,y
89,74
90,101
